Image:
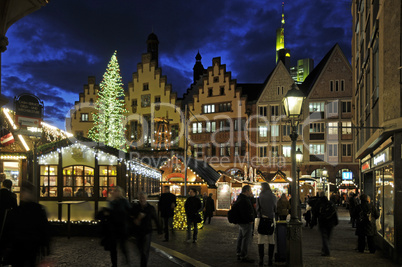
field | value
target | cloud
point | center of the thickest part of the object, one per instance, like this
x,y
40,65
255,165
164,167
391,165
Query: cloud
x,y
54,50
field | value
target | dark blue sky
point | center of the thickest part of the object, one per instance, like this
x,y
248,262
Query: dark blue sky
x,y
52,52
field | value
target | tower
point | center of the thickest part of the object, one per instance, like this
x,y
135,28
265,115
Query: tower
x,y
152,47
198,69
281,52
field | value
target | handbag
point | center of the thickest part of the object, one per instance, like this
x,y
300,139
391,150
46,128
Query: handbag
x,y
266,225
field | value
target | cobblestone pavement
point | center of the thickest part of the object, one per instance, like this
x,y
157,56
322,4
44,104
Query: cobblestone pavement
x,y
216,247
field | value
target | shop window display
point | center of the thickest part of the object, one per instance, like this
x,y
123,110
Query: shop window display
x,y
78,181
385,202
48,181
107,179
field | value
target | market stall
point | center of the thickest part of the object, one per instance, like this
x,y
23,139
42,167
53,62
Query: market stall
x,y
72,170
279,184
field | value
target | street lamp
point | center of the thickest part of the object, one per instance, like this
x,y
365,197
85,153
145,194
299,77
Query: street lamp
x,y
292,103
299,160
324,178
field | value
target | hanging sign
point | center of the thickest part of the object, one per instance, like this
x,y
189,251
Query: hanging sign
x,y
28,110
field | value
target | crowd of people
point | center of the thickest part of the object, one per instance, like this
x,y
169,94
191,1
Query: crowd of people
x,y
25,236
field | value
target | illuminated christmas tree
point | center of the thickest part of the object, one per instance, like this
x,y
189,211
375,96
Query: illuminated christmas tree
x,y
109,127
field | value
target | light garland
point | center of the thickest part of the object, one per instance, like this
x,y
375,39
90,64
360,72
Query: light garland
x,y
180,218
12,157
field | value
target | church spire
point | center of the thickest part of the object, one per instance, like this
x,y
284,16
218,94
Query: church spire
x,y
198,68
282,54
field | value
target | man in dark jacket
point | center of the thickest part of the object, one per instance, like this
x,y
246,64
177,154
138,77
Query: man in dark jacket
x,y
143,214
325,223
27,228
8,201
192,208
366,215
246,220
167,204
209,208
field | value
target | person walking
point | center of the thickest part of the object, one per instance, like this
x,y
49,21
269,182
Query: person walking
x,y
144,213
283,207
327,216
266,208
366,215
118,212
192,207
352,206
27,229
8,201
209,209
245,221
167,204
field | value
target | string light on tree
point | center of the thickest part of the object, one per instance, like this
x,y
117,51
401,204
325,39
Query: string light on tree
x,y
109,127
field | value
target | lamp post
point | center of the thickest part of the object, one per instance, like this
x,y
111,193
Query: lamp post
x,y
324,178
292,103
299,160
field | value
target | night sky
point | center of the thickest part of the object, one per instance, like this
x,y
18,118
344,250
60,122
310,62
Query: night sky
x,y
52,51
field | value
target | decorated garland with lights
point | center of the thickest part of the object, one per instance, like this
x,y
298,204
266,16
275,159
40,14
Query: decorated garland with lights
x,y
180,218
109,127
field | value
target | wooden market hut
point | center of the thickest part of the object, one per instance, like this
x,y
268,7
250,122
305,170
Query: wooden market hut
x,y
279,183
82,173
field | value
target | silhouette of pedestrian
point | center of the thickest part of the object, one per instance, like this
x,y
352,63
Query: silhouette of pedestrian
x,y
192,207
27,229
167,204
209,209
144,213
118,212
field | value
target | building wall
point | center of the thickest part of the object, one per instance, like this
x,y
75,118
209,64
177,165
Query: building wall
x,y
81,120
220,91
377,76
149,96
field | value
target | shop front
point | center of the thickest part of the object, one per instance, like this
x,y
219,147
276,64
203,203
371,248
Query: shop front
x,y
85,173
381,172
378,182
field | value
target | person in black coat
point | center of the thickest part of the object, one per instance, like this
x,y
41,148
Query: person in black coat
x,y
27,229
8,201
118,213
192,208
167,204
366,215
245,221
325,224
144,213
209,209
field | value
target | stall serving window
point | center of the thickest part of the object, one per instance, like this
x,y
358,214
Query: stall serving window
x,y
48,181
78,181
384,202
107,179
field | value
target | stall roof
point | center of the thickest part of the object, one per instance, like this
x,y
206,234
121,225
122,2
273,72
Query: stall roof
x,y
46,148
202,168
278,177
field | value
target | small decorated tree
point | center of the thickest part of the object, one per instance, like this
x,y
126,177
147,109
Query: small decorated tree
x,y
109,127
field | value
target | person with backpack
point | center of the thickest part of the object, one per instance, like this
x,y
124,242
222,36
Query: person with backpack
x,y
366,215
325,212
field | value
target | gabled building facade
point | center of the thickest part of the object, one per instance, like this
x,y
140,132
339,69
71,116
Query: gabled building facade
x,y
81,120
154,111
218,115
327,126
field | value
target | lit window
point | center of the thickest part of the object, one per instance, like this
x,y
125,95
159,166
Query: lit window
x,y
84,117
